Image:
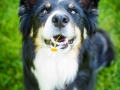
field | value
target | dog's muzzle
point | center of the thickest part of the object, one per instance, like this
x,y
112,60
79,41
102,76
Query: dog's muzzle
x,y
60,21
60,41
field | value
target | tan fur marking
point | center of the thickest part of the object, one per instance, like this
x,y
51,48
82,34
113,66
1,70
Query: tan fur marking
x,y
38,40
79,38
77,44
85,33
48,4
71,5
31,33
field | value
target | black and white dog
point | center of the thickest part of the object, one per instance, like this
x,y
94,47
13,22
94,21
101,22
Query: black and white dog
x,y
60,48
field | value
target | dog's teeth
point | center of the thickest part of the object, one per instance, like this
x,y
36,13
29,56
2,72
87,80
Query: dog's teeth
x,y
59,47
54,42
62,43
66,40
52,39
51,46
58,43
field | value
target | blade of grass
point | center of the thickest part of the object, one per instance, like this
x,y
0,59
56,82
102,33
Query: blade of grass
x,y
57,40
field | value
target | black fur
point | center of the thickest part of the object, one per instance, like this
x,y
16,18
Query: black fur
x,y
88,57
26,12
105,54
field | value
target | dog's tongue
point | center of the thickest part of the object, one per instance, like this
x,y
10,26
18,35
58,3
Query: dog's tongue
x,y
59,38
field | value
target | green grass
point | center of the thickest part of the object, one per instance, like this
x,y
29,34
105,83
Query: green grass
x,y
11,75
10,47
109,17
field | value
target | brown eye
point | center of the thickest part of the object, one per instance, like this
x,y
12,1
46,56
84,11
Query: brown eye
x,y
44,11
73,11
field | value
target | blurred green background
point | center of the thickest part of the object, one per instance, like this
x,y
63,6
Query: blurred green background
x,y
11,75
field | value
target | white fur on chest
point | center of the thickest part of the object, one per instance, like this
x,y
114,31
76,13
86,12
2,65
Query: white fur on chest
x,y
54,69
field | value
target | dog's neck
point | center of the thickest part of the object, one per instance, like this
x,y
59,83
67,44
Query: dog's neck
x,y
55,70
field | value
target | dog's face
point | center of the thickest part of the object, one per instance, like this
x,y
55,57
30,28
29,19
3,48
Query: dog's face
x,y
58,19
60,23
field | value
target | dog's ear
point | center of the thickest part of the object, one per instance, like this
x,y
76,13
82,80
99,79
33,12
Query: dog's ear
x,y
28,3
25,5
25,8
91,13
89,4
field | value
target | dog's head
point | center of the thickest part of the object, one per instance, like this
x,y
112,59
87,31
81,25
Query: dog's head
x,y
61,23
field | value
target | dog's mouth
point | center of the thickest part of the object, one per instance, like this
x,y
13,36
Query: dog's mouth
x,y
59,41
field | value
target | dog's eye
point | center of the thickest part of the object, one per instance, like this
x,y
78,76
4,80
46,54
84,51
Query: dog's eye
x,y
73,11
45,11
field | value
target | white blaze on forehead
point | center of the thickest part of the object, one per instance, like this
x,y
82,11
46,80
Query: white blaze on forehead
x,y
49,28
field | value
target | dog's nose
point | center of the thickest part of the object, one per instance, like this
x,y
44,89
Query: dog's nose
x,y
60,20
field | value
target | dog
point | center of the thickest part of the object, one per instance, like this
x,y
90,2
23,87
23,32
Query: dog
x,y
104,48
62,48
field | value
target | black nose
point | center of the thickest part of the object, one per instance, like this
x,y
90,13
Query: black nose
x,y
60,20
